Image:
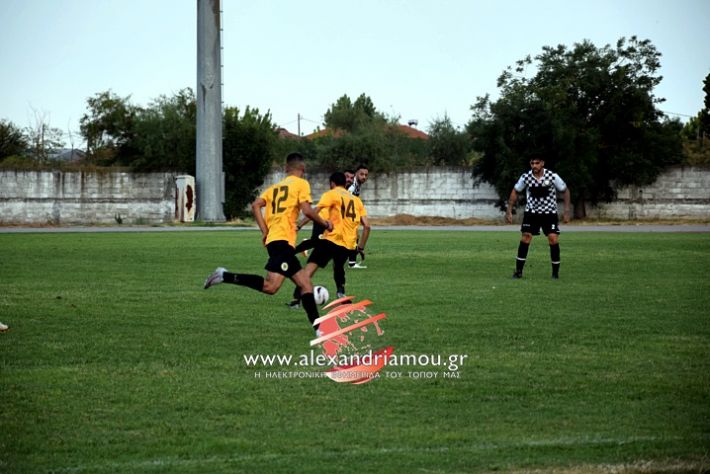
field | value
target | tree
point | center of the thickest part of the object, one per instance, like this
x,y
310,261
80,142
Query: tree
x,y
704,114
589,111
353,117
247,149
163,135
43,138
108,127
12,141
448,145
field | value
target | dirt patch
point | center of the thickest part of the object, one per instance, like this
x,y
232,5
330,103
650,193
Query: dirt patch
x,y
640,467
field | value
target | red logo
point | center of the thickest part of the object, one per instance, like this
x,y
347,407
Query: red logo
x,y
351,335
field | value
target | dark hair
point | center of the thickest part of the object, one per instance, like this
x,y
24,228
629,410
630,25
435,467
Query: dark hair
x,y
338,178
295,156
294,160
349,170
360,167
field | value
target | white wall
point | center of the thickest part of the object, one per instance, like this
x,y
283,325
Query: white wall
x,y
45,197
452,192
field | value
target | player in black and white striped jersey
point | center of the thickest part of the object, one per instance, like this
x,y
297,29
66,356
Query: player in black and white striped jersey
x,y
360,177
541,186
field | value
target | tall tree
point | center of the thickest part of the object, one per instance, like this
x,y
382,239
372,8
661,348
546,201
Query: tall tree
x,y
249,141
163,135
107,127
12,141
704,115
352,117
590,111
449,146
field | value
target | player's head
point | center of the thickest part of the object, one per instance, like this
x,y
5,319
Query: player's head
x,y
361,173
537,162
295,164
349,175
337,179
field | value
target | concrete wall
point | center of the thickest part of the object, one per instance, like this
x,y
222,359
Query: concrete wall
x,y
677,193
45,197
452,192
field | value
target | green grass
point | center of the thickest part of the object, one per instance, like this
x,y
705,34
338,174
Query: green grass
x,y
118,361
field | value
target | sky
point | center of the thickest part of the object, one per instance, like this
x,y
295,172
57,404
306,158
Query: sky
x,y
416,59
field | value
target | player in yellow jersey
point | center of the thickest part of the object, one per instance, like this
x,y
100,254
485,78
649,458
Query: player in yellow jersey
x,y
347,213
282,203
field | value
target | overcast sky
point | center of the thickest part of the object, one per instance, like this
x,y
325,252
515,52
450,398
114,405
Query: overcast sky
x,y
417,59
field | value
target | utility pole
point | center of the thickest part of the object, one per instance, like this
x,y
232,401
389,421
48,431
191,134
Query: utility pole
x,y
210,181
299,124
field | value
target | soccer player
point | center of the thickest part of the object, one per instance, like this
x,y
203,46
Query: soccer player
x,y
360,178
347,213
318,229
283,202
540,187
349,177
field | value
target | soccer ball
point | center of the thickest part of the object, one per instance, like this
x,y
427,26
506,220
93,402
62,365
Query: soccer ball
x,y
321,295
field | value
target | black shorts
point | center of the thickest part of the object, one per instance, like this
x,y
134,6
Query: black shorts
x,y
282,258
326,251
317,230
533,222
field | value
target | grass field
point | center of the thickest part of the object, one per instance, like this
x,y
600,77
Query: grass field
x,y
118,361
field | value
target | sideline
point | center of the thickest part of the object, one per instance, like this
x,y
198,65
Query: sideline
x,y
568,228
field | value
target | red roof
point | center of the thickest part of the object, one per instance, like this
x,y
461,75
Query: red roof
x,y
411,132
283,133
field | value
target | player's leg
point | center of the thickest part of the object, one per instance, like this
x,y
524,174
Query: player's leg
x,y
282,263
552,231
310,243
308,301
339,260
527,230
222,275
352,258
295,303
318,259
272,283
268,285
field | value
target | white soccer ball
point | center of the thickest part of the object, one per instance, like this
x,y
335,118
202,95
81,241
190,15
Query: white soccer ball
x,y
321,295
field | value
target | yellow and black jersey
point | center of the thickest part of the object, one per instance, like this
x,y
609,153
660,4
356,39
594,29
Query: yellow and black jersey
x,y
344,211
283,201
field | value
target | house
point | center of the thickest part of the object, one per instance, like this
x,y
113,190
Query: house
x,y
407,130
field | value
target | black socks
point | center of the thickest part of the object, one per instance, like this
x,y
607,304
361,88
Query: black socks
x,y
255,282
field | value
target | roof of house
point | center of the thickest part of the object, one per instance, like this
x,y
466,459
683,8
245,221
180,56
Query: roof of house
x,y
411,132
283,133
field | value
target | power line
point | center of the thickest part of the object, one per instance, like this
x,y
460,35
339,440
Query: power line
x,y
676,113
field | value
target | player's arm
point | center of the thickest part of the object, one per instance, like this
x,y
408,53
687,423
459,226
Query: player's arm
x,y
256,207
303,222
307,219
363,238
512,200
567,201
311,213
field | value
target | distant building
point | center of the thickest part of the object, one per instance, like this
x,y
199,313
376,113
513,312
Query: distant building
x,y
283,133
67,154
409,131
